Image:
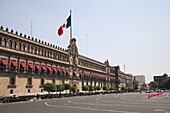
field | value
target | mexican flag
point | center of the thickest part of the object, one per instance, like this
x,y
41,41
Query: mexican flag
x,y
66,25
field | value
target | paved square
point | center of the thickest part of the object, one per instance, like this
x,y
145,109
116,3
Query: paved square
x,y
114,103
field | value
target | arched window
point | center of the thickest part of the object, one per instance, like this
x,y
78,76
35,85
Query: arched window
x,y
15,45
45,53
39,51
0,41
23,47
20,46
5,42
10,44
35,50
28,48
48,54
42,52
32,49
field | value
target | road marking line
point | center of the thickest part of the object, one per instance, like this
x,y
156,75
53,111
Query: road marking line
x,y
93,109
159,110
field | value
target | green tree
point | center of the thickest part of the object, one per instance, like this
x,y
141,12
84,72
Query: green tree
x,y
49,87
95,88
111,88
60,88
73,89
105,88
85,88
153,85
67,87
91,88
98,88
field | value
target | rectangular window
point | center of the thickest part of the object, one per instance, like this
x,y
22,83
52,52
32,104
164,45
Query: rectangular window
x,y
29,81
82,83
12,81
11,91
87,83
94,83
14,65
63,81
4,64
42,82
53,81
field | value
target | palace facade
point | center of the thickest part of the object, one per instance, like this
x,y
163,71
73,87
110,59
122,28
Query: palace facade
x,y
27,63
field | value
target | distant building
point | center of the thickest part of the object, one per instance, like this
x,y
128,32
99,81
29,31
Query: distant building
x,y
159,80
140,79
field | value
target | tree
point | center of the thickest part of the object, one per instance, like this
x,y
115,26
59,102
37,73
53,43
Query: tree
x,y
165,83
49,87
98,88
105,88
95,88
85,88
73,89
60,88
91,88
153,85
66,87
111,88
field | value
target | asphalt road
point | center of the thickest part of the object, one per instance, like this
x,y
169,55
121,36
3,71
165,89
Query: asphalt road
x,y
108,103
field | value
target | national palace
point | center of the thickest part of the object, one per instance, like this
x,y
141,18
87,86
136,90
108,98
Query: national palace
x,y
26,63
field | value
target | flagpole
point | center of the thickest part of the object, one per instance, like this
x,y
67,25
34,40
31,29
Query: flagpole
x,y
70,28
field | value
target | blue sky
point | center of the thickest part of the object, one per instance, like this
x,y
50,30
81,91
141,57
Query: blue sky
x,y
131,32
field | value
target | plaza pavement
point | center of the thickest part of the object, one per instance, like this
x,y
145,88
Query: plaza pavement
x,y
108,103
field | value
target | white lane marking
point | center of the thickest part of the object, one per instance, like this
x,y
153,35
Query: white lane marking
x,y
159,110
132,105
93,109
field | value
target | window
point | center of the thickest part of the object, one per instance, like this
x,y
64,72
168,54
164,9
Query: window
x,y
94,83
30,68
37,68
47,53
53,81
20,46
10,44
29,81
11,91
39,51
4,64
29,90
32,49
5,42
15,45
14,65
63,82
43,69
35,50
87,83
0,41
42,82
12,81
28,49
23,47
22,66
82,83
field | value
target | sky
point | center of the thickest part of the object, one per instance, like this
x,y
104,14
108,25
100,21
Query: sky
x,y
134,33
